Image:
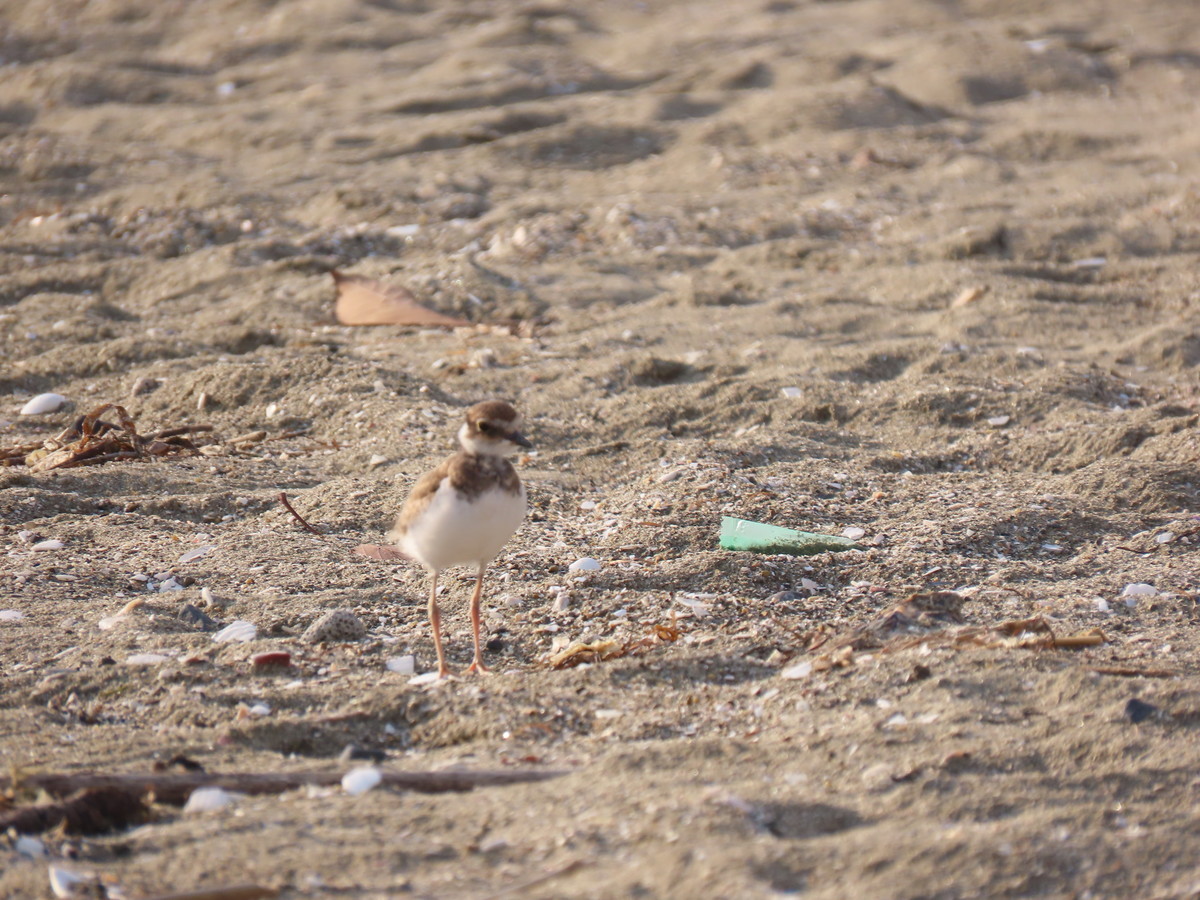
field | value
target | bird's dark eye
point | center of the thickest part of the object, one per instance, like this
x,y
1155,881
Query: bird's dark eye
x,y
485,428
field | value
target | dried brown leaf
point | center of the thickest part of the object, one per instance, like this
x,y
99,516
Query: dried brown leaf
x,y
362,301
968,296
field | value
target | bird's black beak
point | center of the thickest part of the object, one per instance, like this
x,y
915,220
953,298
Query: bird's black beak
x,y
519,439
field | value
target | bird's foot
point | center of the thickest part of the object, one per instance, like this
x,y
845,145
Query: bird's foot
x,y
478,668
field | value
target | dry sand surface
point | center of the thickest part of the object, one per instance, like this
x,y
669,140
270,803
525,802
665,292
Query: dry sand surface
x,y
921,268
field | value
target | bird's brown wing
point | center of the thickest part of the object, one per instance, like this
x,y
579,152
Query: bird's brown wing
x,y
418,498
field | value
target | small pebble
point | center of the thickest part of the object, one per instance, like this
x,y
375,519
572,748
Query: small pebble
x,y
42,404
26,845
194,616
1102,605
206,799
1139,710
52,544
425,678
800,670
271,659
209,601
359,781
854,532
1164,537
354,751
792,392
11,615
259,709
376,460
402,665
999,421
561,602
335,627
586,564
238,631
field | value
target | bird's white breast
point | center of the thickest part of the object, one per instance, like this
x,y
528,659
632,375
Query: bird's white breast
x,y
455,531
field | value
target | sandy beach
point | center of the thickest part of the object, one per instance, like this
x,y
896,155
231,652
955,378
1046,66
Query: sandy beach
x,y
923,274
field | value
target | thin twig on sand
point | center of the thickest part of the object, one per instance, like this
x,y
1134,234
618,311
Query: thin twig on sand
x,y
299,518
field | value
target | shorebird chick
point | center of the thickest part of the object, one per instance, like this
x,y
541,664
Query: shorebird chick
x,y
465,510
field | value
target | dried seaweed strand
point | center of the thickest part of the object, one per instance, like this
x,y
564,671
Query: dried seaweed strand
x,y
299,518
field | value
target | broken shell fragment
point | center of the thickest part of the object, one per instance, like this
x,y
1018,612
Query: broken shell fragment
x,y
236,631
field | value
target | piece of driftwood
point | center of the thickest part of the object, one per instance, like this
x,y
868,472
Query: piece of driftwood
x,y
94,810
176,787
1134,672
232,892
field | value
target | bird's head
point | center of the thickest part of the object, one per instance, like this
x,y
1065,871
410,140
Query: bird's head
x,y
492,428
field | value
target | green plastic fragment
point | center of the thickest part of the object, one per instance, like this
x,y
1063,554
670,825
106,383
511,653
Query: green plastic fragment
x,y
742,534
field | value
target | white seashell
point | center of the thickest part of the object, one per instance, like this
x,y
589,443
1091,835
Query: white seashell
x,y
1139,590
63,881
206,799
1164,537
376,460
800,670
424,678
698,609
260,709
29,846
52,544
170,585
588,504
145,659
854,532
196,553
11,615
43,403
402,665
999,421
1102,605
562,602
238,631
586,564
361,780
792,392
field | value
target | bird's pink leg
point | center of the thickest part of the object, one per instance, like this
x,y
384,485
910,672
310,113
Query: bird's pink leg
x,y
476,602
435,620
